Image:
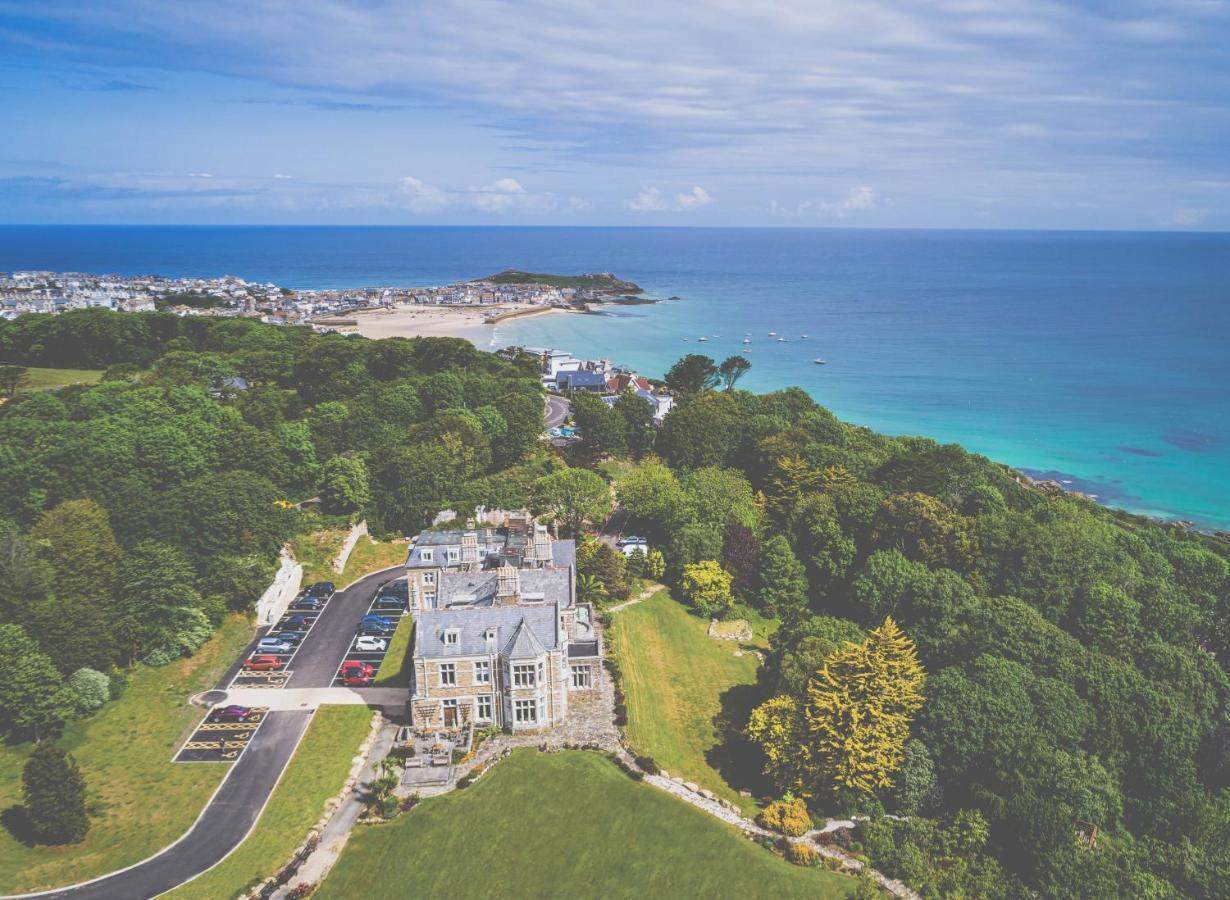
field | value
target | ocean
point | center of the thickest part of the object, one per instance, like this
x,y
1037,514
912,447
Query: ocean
x,y
1096,359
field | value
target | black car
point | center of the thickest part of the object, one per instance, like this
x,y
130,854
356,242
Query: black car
x,y
298,623
380,629
389,602
398,588
291,637
320,589
311,604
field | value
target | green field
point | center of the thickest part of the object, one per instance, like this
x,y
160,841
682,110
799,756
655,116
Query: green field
x,y
369,556
141,800
46,379
315,773
394,672
564,825
681,688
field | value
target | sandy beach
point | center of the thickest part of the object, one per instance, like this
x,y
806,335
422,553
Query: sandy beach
x,y
437,321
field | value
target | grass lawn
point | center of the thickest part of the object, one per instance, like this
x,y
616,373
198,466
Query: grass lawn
x,y
368,557
142,801
564,825
394,672
46,379
316,552
681,687
316,772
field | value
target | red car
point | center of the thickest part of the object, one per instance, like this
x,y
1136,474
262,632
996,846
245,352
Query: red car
x,y
264,663
355,673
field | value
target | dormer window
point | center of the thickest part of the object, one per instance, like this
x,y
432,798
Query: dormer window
x,y
428,555
452,637
489,634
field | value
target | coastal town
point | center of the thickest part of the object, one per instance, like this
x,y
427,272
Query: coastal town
x,y
230,296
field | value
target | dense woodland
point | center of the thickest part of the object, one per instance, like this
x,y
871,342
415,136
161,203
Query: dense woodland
x,y
134,514
1073,740
1065,721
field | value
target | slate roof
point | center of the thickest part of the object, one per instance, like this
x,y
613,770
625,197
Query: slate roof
x,y
541,628
581,381
552,585
524,644
564,554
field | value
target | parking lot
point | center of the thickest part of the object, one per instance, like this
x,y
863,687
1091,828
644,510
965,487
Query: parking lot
x,y
218,740
373,657
295,622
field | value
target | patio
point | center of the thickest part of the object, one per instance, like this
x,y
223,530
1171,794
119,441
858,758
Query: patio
x,y
430,752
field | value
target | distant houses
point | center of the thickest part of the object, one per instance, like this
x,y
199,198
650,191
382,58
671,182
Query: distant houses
x,y
564,373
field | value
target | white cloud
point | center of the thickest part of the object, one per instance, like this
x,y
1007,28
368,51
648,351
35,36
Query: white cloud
x,y
505,195
281,177
651,199
200,175
421,197
694,199
648,200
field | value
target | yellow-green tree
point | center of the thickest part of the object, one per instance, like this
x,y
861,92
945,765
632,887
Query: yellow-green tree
x,y
859,707
706,585
850,730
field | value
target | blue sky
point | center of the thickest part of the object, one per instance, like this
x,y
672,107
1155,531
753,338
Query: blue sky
x,y
946,113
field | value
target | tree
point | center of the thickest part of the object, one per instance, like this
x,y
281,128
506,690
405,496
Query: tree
x,y
54,793
705,431
590,589
655,564
602,429
652,494
572,497
31,704
783,581
858,711
692,375
88,689
12,378
609,566
76,539
732,369
706,585
636,414
720,497
343,485
741,555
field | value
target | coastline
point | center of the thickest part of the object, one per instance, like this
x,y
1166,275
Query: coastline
x,y
468,323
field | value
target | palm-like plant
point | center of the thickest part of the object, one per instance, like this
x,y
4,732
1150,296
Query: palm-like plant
x,y
591,590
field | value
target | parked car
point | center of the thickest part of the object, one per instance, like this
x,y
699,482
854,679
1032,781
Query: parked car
x,y
291,637
294,622
264,663
275,645
355,673
390,602
308,603
231,714
377,625
632,541
320,589
398,587
368,643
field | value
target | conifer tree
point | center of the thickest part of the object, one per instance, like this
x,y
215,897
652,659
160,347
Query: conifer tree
x,y
859,707
55,796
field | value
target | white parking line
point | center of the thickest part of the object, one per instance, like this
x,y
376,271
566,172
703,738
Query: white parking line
x,y
312,615
353,655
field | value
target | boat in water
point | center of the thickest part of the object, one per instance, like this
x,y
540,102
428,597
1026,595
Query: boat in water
x,y
772,334
818,361
781,340
701,340
747,340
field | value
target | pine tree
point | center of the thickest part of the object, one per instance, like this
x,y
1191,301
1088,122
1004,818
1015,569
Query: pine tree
x,y
55,796
859,707
783,581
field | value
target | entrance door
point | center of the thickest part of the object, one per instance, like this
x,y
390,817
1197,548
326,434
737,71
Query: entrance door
x,y
450,716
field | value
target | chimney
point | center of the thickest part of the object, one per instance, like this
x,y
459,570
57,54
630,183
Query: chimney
x,y
469,549
508,586
542,546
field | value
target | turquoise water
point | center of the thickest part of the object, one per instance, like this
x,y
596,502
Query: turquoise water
x,y
1100,358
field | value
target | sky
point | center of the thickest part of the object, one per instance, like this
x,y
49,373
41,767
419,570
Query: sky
x,y
1112,114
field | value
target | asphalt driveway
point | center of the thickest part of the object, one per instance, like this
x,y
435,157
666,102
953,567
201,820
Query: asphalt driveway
x,y
223,825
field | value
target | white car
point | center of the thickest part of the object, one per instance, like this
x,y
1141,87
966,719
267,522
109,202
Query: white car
x,y
367,642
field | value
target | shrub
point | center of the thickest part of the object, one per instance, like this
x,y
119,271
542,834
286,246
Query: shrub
x,y
88,689
54,793
118,684
649,764
833,864
803,854
788,816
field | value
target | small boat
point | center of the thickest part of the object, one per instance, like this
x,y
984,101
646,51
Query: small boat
x,y
701,340
818,361
803,337
781,340
747,340
772,334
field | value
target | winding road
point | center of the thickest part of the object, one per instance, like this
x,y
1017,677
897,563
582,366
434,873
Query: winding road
x,y
557,412
235,807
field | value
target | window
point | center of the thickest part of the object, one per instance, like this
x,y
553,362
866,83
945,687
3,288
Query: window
x,y
451,637
429,600
482,672
448,674
525,711
452,556
428,555
483,708
523,676
429,578
542,675
580,677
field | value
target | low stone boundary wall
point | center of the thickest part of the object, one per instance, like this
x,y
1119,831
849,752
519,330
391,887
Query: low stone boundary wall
x,y
356,532
281,591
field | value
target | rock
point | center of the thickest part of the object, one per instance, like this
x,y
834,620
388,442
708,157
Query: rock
x,y
745,793
731,630
664,773
677,780
707,794
691,786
